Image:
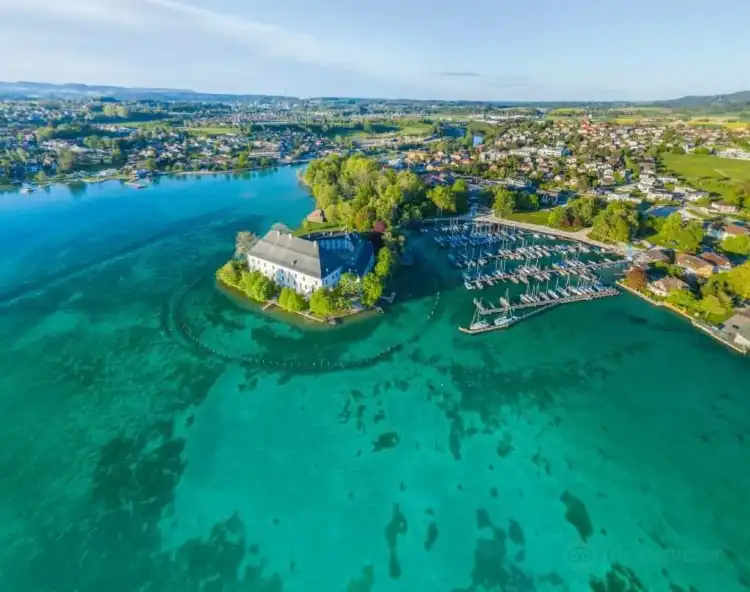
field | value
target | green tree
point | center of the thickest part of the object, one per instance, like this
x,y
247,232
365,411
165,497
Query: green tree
x,y
66,160
739,280
321,302
736,245
229,273
150,164
617,223
460,191
684,299
372,289
291,301
386,262
684,236
443,198
504,202
349,285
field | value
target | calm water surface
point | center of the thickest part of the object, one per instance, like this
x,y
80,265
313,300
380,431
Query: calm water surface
x,y
158,437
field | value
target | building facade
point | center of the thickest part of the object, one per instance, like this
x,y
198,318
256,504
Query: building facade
x,y
316,261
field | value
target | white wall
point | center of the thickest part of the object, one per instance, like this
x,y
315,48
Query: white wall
x,y
291,278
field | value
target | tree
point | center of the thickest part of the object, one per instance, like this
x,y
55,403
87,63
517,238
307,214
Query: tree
x,y
66,160
150,164
386,262
736,245
713,308
684,236
504,202
637,278
349,284
460,191
291,301
443,198
229,273
683,299
739,280
40,177
321,302
372,289
617,223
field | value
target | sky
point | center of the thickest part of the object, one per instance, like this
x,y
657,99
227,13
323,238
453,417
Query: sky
x,y
535,50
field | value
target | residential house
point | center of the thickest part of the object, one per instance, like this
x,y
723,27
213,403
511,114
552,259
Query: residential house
x,y
694,266
651,256
721,232
724,207
665,286
719,262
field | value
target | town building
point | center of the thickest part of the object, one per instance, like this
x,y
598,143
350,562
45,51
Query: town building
x,y
719,262
724,207
306,264
665,286
694,265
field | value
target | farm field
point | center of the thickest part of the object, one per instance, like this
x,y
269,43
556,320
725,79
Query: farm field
x,y
710,173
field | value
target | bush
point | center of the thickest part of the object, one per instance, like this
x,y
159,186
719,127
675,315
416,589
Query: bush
x,y
291,301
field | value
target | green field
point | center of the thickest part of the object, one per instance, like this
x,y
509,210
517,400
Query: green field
x,y
722,176
538,217
213,131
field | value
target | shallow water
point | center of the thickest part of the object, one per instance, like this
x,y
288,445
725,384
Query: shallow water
x,y
158,437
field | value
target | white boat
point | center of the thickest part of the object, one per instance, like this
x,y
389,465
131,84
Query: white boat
x,y
27,190
504,321
468,285
479,325
135,185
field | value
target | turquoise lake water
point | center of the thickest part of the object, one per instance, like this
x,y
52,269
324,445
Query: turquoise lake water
x,y
157,437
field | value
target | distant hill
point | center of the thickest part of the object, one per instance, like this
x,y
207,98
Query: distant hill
x,y
24,89
738,101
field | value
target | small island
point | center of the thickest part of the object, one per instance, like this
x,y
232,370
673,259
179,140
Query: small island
x,y
339,262
324,276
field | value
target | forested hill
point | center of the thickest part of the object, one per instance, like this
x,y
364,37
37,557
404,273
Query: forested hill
x,y
738,101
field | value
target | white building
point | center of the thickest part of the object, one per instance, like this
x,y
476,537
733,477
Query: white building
x,y
306,264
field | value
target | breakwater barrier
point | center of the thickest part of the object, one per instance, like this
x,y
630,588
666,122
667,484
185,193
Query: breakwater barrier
x,y
176,324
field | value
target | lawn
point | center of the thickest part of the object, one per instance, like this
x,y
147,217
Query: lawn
x,y
710,173
538,217
213,131
307,227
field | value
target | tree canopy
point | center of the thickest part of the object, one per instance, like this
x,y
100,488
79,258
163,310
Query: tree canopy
x,y
618,222
372,289
291,301
321,302
736,245
355,192
504,201
682,235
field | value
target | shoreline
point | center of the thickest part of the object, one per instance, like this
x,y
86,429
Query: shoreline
x,y
708,329
123,178
579,235
271,307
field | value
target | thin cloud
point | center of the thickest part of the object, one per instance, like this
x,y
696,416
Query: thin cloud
x,y
460,74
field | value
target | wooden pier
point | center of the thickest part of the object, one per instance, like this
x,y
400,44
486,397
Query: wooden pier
x,y
608,293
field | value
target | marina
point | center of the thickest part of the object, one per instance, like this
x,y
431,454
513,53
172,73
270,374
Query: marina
x,y
540,271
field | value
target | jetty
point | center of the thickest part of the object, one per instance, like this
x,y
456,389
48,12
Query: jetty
x,y
583,297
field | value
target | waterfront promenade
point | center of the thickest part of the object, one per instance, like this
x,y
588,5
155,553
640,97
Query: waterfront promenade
x,y
580,235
